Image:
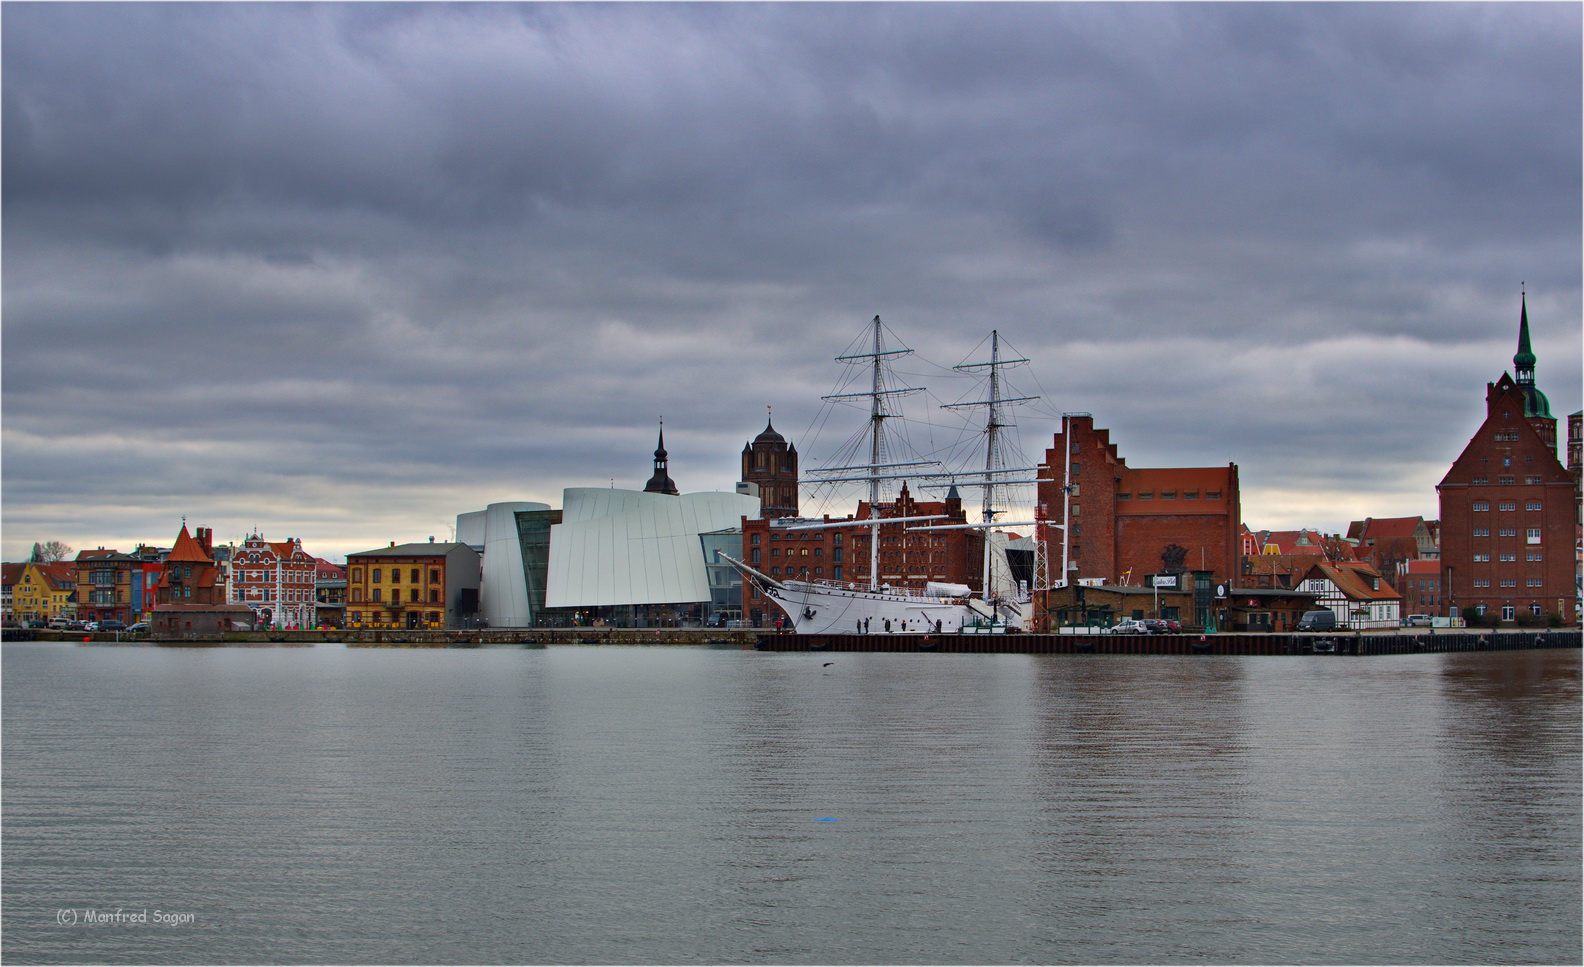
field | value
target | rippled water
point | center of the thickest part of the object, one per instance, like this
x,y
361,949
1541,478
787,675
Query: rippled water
x,y
662,805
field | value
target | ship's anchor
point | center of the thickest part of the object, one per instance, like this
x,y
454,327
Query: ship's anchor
x,y
808,613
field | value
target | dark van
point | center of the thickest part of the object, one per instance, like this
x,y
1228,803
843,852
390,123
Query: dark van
x,y
1317,621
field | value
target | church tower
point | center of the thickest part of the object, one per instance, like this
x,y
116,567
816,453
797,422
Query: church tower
x,y
1537,409
661,483
772,463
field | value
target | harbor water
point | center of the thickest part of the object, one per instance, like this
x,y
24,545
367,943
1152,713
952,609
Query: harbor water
x,y
649,805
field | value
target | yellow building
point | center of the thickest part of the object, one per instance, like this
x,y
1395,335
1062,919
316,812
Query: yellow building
x,y
45,591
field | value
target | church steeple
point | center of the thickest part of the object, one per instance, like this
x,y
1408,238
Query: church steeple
x,y
661,483
1524,361
1535,402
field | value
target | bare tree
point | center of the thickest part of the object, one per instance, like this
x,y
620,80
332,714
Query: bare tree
x,y
49,552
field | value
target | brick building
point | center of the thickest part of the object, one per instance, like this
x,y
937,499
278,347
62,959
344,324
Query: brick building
x,y
1509,507
414,585
277,580
905,558
190,599
771,464
1389,542
1420,584
1125,523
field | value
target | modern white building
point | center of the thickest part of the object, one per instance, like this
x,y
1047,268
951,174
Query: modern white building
x,y
503,589
624,547
607,550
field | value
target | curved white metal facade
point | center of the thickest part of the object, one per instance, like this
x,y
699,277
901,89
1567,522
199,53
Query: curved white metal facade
x,y
618,547
505,591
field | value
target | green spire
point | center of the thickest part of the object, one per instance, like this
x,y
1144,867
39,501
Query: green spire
x,y
1524,361
1535,402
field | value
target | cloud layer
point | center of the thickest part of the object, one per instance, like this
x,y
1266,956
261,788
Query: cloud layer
x,y
342,272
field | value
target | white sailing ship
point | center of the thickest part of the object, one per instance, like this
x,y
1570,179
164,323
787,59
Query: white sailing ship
x,y
831,607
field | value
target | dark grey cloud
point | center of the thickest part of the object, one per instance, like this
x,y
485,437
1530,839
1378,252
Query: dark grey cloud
x,y
347,270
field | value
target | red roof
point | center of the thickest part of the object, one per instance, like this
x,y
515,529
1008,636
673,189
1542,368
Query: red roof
x,y
188,550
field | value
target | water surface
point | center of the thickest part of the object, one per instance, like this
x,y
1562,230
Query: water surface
x,y
617,805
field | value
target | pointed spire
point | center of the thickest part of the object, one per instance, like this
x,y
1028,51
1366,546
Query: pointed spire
x,y
1524,361
661,483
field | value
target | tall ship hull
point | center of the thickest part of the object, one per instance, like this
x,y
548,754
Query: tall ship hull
x,y
817,608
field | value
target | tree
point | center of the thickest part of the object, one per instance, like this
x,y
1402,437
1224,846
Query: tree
x,y
49,552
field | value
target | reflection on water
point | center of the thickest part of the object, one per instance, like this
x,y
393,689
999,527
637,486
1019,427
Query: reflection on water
x,y
633,805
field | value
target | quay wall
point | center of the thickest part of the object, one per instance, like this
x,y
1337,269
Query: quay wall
x,y
1375,643
1181,644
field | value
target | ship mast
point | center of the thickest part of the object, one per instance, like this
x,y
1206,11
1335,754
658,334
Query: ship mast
x,y
877,468
994,423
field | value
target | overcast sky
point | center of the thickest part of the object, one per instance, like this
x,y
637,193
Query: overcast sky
x,y
343,272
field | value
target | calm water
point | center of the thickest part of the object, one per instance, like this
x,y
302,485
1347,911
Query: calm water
x,y
665,805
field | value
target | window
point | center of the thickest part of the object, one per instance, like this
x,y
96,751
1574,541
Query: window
x,y
376,596
755,540
395,575
775,552
1531,480
1534,582
1479,505
1212,495
1508,612
1481,481
434,575
1531,505
1075,469
434,595
1478,558
1124,496
376,578
1509,557
1190,495
1076,510
1482,532
357,575
753,556
413,577
1507,532
1509,582
1534,609
1482,583
1168,495
1146,495
1504,481
1533,556
1534,535
412,595
836,572
1507,505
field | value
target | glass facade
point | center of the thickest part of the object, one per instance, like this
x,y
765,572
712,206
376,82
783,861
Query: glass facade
x,y
533,534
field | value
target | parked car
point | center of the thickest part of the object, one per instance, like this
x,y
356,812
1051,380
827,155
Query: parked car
x,y
1417,621
140,628
111,625
1130,626
1317,621
1173,626
91,626
66,624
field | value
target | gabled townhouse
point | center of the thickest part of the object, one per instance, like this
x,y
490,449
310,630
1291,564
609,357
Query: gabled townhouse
x,y
1388,542
45,591
277,580
1356,593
